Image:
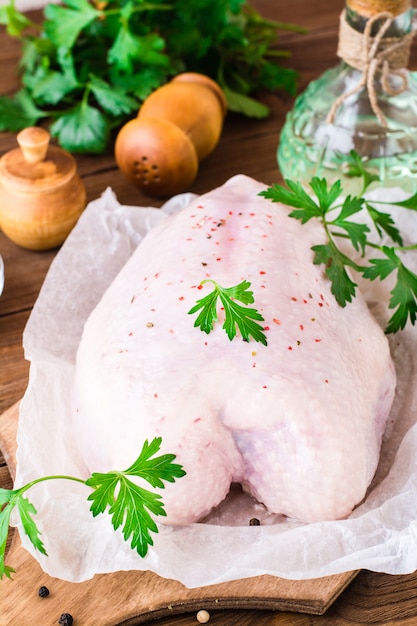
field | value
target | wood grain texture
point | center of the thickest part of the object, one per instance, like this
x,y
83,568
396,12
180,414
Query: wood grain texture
x,y
246,146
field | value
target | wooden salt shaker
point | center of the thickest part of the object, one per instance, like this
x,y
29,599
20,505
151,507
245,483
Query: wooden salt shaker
x,y
177,126
41,194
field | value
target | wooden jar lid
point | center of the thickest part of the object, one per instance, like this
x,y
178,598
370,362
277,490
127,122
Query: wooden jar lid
x,y
35,165
369,8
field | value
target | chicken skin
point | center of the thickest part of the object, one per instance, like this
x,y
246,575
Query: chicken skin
x,y
297,422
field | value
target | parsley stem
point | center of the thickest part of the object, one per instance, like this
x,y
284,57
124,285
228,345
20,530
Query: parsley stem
x,y
387,202
405,248
143,7
282,54
371,244
44,478
260,21
281,26
86,93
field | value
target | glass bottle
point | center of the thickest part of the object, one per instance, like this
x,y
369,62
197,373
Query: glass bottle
x,y
349,108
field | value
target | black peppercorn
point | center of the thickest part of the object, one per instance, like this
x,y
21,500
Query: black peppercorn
x,y
254,522
65,620
43,592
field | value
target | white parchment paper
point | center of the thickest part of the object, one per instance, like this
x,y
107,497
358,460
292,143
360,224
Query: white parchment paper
x,y
380,535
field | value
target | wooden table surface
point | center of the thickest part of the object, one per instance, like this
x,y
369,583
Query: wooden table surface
x,y
249,147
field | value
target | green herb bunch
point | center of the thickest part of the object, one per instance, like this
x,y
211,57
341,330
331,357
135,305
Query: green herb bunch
x,y
335,211
130,506
92,62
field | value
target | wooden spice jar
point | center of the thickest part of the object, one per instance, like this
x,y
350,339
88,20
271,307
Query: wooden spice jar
x,y
177,126
41,194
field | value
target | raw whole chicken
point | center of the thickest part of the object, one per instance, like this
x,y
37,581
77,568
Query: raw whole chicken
x,y
298,422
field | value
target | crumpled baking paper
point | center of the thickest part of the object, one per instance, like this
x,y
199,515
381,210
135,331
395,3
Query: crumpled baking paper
x,y
380,535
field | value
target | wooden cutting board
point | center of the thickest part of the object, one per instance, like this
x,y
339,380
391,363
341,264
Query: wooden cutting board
x,y
110,599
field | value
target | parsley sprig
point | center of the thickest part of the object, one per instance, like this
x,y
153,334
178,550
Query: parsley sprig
x,y
237,317
91,63
335,211
129,505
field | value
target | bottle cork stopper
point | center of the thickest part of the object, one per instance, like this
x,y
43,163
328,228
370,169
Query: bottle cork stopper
x,y
369,8
34,143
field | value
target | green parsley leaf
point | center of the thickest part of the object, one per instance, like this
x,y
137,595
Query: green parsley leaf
x,y
240,103
356,231
274,76
112,99
63,25
15,21
128,49
130,497
10,498
26,510
342,286
326,197
236,315
49,86
36,52
129,504
84,126
409,203
19,112
155,470
6,507
355,166
404,293
381,268
384,224
208,314
141,83
295,196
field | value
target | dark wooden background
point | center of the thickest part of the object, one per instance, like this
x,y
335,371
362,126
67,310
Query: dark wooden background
x,y
249,147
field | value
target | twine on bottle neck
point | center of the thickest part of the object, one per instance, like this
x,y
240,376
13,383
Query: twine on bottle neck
x,y
378,55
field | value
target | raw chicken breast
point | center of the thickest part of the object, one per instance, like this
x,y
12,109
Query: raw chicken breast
x,y
298,422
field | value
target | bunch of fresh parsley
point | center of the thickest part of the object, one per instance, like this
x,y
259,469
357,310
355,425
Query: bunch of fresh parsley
x,y
92,62
131,506
335,211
